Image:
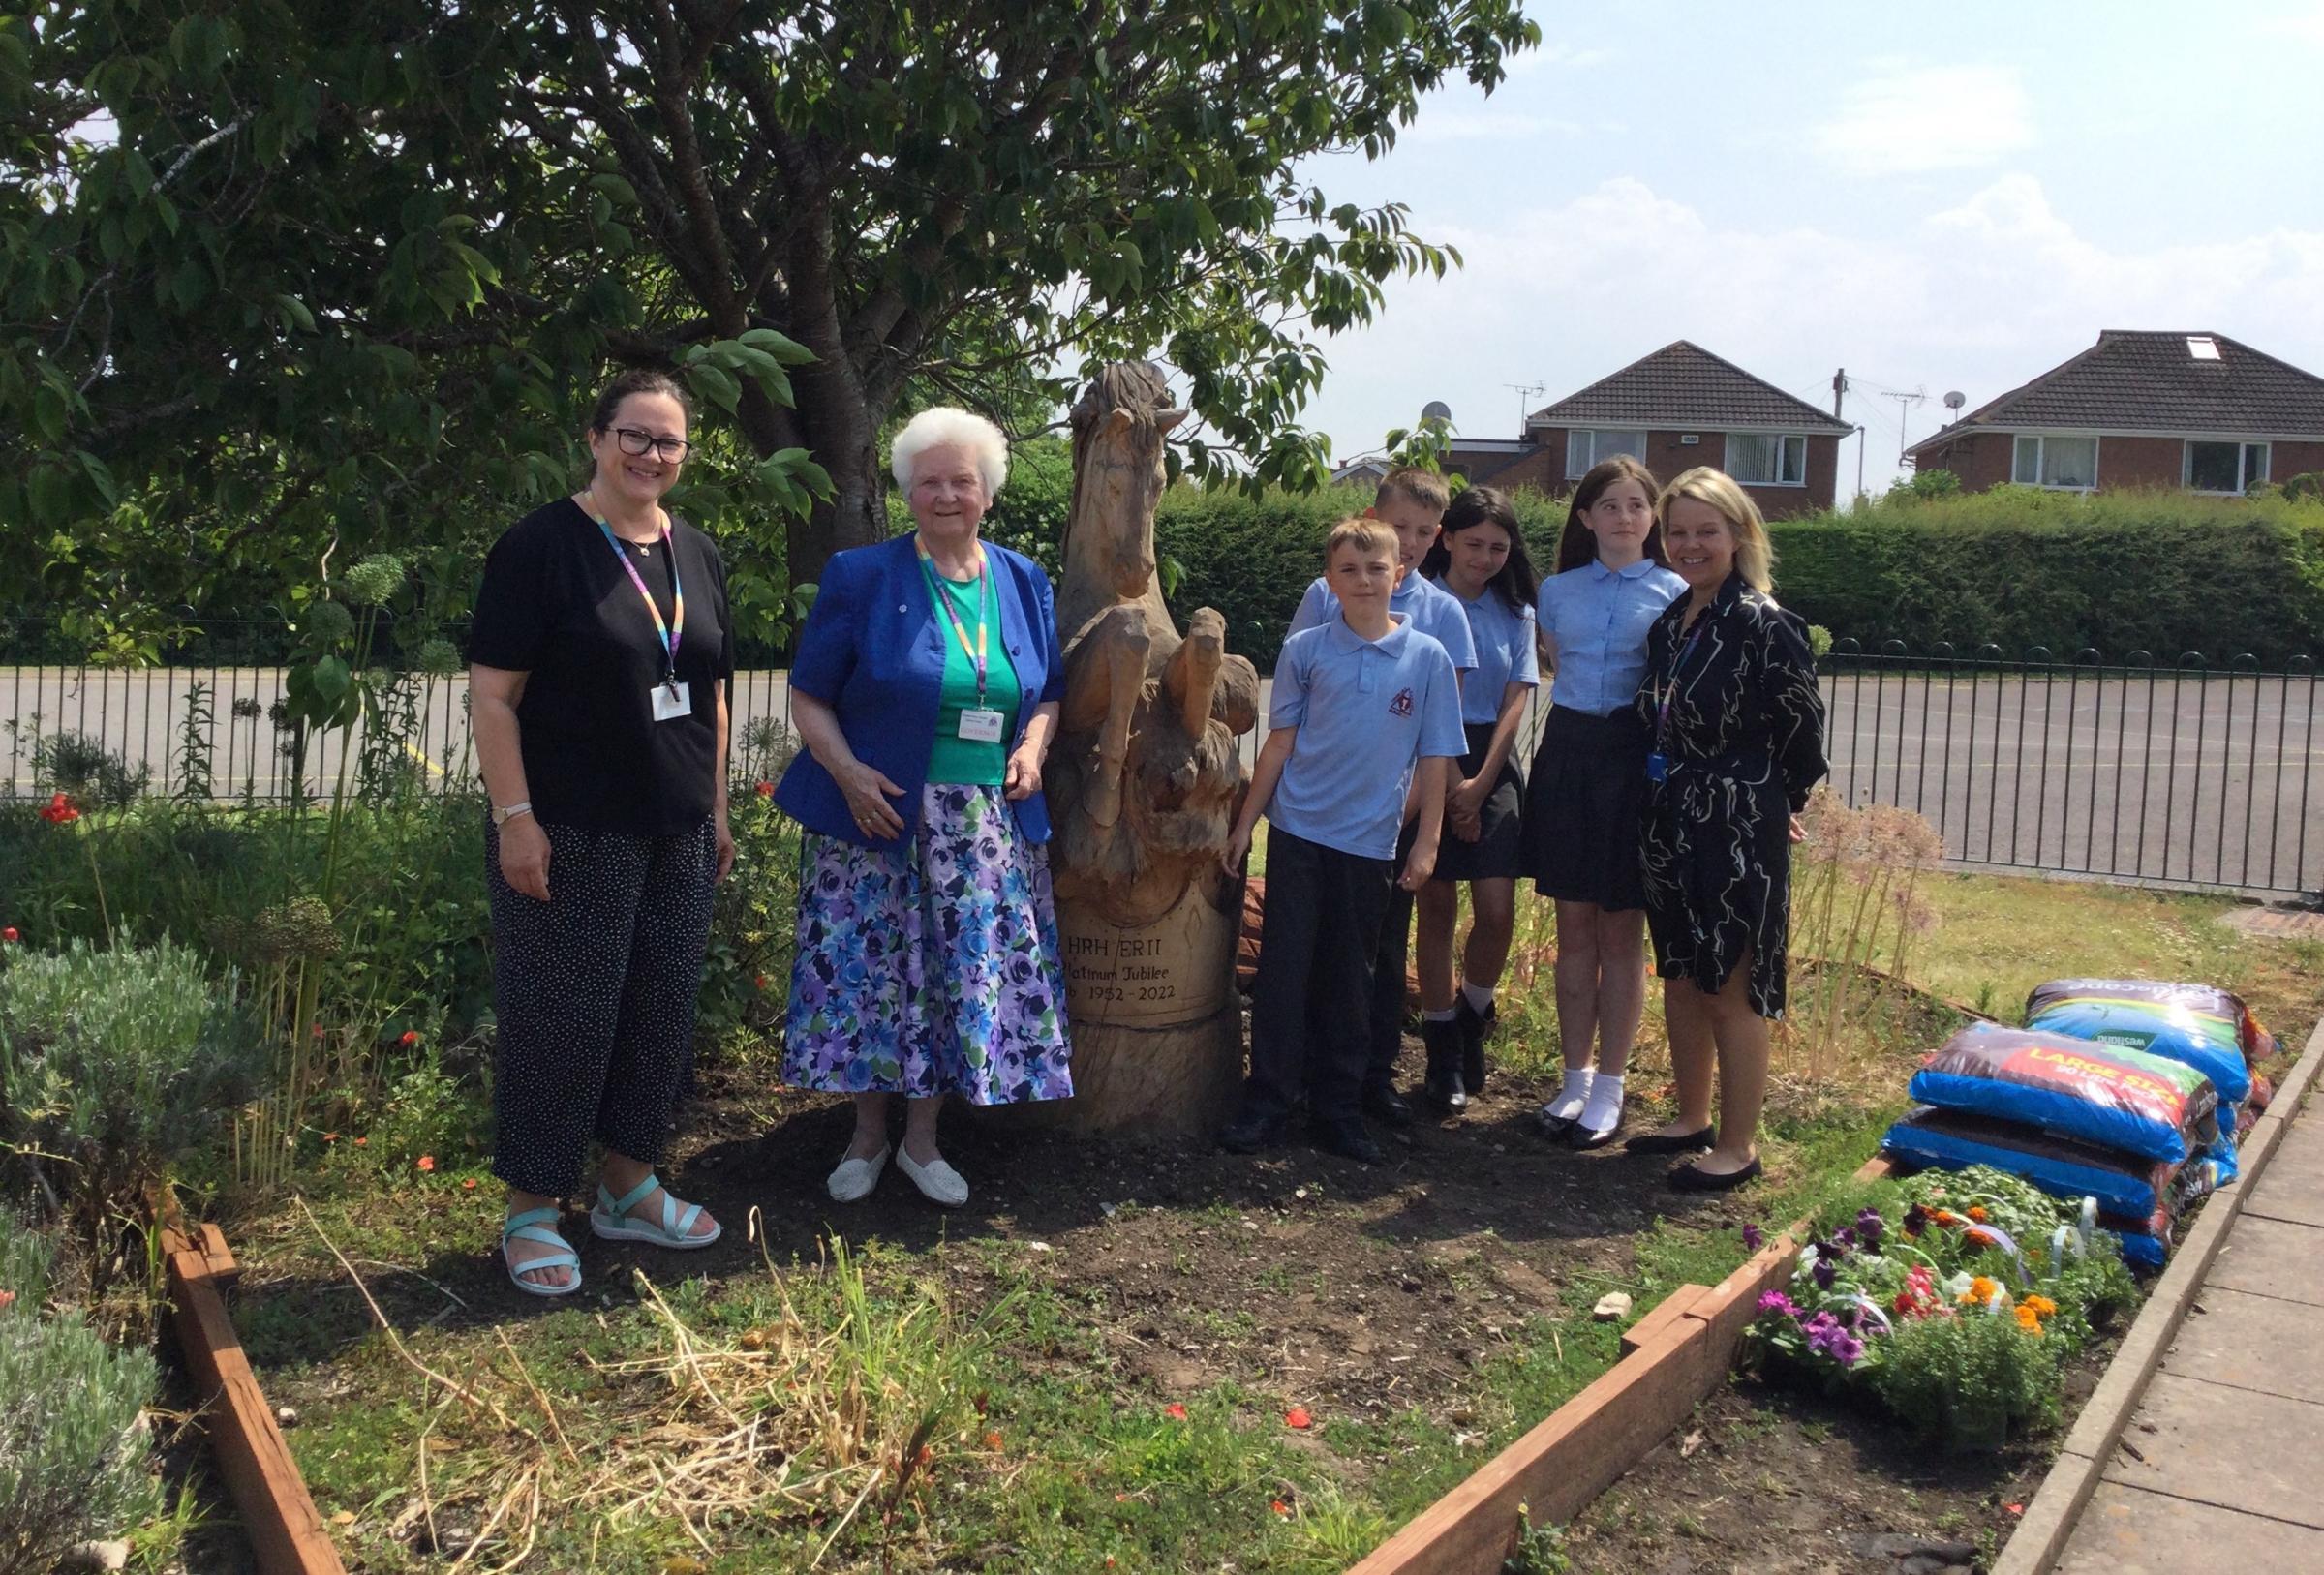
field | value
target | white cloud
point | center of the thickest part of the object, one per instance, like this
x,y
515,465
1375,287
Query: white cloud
x,y
1908,119
2305,25
1980,297
1560,57
1481,123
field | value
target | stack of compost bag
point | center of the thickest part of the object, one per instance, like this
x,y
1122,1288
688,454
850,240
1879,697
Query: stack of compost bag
x,y
2075,1117
2197,1025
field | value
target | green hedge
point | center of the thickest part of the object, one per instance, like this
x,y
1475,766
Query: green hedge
x,y
2019,567
2016,567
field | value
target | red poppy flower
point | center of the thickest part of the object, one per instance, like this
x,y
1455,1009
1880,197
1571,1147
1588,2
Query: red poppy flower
x,y
1175,1411
1296,1418
2014,1509
470,1185
759,982
10,935
330,1137
993,1442
427,1161
361,1141
764,790
410,1038
60,810
1280,1507
8,1299
319,1030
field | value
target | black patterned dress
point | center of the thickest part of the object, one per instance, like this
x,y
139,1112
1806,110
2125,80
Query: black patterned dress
x,y
1743,742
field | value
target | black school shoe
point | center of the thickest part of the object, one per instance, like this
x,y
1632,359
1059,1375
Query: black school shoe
x,y
1684,1142
1382,1103
1252,1133
1445,1090
1473,1027
1687,1178
1347,1138
1582,1139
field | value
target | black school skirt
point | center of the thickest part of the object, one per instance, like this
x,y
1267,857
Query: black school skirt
x,y
1498,852
1582,806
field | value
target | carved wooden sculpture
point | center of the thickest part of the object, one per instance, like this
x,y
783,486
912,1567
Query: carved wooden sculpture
x,y
1144,783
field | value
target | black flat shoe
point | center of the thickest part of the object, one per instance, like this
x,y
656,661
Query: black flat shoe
x,y
1349,1140
1582,1140
1553,1127
1685,1143
1687,1178
1444,1089
1473,1027
1383,1104
1253,1133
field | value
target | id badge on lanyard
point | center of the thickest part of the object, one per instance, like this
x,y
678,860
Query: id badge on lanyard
x,y
671,699
979,723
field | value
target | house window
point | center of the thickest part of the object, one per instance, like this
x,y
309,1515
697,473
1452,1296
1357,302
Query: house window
x,y
2225,466
1587,446
1767,459
2056,461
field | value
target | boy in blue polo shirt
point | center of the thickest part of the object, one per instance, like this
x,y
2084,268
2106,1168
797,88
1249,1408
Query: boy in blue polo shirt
x,y
1366,713
1413,502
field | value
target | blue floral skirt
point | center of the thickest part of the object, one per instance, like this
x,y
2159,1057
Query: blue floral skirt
x,y
932,969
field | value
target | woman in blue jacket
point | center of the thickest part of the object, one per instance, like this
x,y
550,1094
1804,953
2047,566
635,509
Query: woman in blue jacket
x,y
926,689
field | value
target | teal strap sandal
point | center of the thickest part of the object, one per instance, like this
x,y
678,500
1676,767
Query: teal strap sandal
x,y
612,1219
539,1226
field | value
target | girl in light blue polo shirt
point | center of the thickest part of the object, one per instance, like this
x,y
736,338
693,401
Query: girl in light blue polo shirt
x,y
1588,786
1479,562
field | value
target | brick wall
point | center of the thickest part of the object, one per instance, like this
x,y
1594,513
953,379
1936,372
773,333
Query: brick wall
x,y
2288,460
2125,463
1983,460
1665,455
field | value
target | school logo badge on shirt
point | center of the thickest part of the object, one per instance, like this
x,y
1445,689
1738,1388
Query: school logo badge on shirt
x,y
1402,706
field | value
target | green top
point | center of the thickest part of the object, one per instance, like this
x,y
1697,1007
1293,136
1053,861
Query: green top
x,y
955,759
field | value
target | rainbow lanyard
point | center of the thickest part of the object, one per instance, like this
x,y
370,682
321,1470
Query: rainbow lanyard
x,y
984,616
672,631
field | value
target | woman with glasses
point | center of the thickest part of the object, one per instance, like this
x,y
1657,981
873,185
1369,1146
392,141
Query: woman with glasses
x,y
599,658
926,689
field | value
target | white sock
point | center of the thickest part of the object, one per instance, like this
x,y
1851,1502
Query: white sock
x,y
1573,1094
1444,1015
1481,1001
1604,1105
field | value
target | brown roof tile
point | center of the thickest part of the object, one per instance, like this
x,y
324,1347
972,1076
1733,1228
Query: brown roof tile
x,y
1682,384
2134,381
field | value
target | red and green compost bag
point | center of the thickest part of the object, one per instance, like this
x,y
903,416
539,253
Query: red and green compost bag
x,y
2204,1027
2117,1099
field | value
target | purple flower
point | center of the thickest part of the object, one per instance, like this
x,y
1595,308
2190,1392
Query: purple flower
x,y
1775,1301
1824,1273
1916,1220
1753,1240
1846,1236
1869,1226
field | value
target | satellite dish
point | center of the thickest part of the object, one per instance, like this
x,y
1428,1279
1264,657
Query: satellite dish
x,y
1436,409
1955,399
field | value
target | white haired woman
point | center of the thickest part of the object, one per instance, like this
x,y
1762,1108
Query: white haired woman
x,y
926,689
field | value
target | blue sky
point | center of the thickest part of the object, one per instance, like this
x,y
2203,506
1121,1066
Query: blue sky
x,y
1952,196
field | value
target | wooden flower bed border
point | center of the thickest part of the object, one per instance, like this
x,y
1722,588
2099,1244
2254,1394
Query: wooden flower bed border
x,y
278,1515
1681,1350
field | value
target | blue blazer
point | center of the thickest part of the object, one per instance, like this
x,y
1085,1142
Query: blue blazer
x,y
873,651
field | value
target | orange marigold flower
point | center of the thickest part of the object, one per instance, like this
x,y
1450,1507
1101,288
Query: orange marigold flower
x,y
470,1185
362,1142
1981,1292
1978,1214
427,1161
2043,1305
2028,1320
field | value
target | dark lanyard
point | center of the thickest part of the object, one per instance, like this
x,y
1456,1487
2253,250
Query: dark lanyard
x,y
1661,709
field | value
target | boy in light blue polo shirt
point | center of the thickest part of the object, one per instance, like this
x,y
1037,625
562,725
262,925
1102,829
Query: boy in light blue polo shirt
x,y
1366,714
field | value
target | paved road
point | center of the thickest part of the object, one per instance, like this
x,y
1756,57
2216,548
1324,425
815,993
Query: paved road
x,y
2213,782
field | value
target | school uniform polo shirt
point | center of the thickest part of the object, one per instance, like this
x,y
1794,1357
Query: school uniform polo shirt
x,y
1505,654
1367,711
1596,620
1429,608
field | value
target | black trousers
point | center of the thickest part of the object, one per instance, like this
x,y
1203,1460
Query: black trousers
x,y
1391,952
595,990
1309,1028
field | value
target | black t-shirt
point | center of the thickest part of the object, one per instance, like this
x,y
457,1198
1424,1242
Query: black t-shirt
x,y
556,604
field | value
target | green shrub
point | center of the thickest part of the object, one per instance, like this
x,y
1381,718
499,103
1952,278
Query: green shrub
x,y
115,1061
2020,568
1969,1380
97,778
73,1444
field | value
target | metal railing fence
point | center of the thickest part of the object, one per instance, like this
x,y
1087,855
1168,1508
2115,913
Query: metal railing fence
x,y
2186,772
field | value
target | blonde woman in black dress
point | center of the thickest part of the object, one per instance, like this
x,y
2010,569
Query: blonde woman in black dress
x,y
1735,727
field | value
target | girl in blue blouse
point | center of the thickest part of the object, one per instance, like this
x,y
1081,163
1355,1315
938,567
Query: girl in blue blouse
x,y
1588,786
1480,559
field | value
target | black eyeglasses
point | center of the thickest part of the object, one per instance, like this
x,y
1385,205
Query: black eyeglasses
x,y
670,450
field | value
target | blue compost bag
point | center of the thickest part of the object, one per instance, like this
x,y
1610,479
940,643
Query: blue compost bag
x,y
2116,1098
2169,1029
1929,1139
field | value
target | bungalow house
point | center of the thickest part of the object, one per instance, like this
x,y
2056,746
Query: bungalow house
x,y
1679,407
2193,411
